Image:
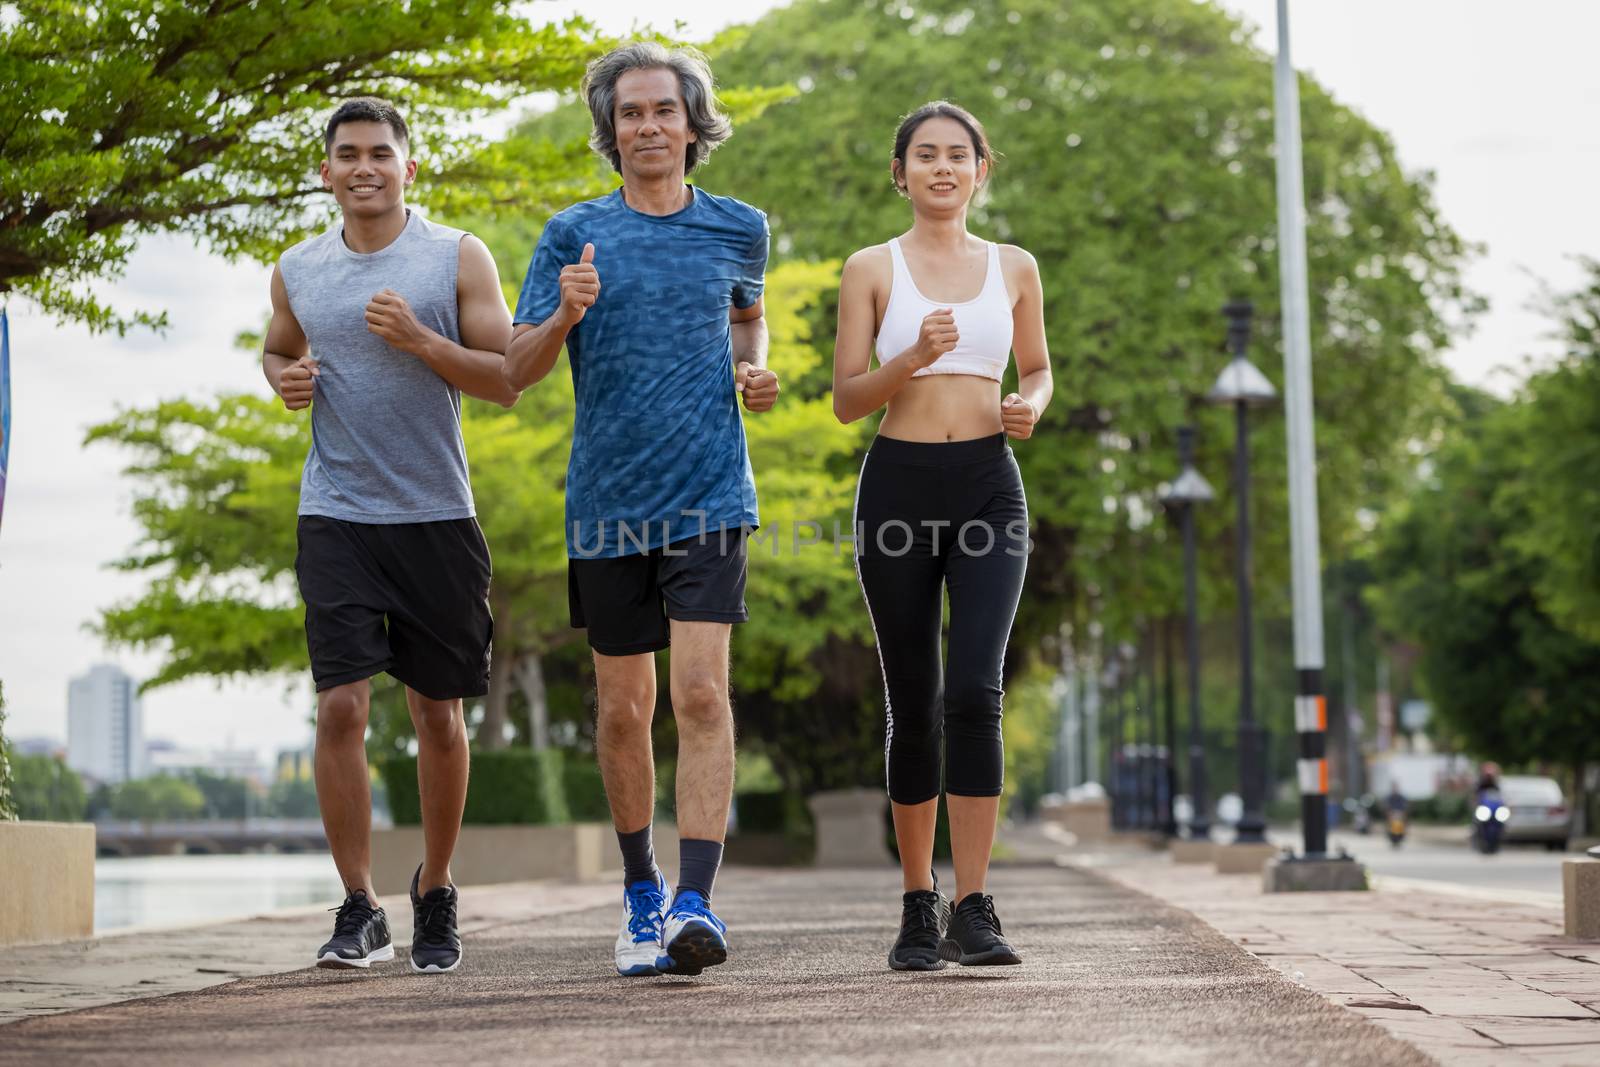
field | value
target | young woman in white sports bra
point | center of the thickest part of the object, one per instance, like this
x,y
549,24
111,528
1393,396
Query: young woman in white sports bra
x,y
940,507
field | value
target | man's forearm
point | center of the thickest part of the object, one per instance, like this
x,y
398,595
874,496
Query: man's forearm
x,y
476,372
532,355
750,342
273,366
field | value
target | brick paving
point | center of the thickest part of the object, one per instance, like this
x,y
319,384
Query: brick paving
x,y
1468,980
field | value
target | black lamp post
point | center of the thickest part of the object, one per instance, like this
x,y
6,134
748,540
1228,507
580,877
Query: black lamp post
x,y
1187,490
1243,386
1169,739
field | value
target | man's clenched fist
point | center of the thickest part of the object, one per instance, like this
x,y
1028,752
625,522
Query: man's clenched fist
x,y
758,385
298,381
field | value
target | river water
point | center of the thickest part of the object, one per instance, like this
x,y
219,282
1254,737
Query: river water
x,y
179,890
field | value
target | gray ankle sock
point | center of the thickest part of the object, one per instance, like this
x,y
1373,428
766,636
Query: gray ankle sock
x,y
638,856
697,865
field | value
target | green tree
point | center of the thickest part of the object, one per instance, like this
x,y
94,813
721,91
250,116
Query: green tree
x,y
132,117
1507,679
1557,489
158,798
225,797
293,798
46,789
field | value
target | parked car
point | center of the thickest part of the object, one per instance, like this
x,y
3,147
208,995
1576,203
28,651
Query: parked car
x,y
1538,810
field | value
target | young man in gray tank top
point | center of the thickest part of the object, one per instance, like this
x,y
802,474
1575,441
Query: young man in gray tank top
x,y
378,326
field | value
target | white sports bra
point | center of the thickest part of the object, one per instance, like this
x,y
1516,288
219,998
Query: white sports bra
x,y
983,322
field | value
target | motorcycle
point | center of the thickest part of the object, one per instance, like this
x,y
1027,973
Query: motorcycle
x,y
1489,822
1397,828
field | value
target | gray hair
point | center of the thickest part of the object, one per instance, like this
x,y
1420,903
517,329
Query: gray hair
x,y
711,127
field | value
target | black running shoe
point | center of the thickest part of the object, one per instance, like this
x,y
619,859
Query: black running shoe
x,y
435,941
923,920
360,935
974,938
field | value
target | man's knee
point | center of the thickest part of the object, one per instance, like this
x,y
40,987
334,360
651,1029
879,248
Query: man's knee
x,y
625,709
342,714
438,723
700,700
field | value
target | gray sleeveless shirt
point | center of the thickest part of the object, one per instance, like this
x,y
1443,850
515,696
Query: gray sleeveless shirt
x,y
385,429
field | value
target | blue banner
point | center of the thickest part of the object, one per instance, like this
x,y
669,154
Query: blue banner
x,y
5,403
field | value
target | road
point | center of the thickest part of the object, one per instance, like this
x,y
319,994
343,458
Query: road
x,y
1433,856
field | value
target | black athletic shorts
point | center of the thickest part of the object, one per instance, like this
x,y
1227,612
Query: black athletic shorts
x,y
408,598
625,601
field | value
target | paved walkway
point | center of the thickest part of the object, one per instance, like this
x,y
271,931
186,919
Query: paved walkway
x,y
129,965
1111,977
1467,978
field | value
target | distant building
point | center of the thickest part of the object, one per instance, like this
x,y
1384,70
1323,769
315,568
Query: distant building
x,y
223,762
296,764
38,746
105,725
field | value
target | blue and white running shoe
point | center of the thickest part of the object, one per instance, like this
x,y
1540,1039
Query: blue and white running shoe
x,y
644,911
694,937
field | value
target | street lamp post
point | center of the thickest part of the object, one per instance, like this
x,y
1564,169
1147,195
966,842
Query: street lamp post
x,y
1187,490
1169,741
1243,386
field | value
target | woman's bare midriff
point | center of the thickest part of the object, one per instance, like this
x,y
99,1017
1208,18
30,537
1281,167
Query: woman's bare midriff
x,y
943,407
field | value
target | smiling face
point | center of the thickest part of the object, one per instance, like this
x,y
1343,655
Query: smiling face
x,y
366,168
941,169
653,132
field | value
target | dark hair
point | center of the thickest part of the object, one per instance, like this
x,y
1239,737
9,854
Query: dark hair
x,y
711,127
940,109
366,109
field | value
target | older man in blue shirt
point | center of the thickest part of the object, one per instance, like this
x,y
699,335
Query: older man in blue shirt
x,y
655,292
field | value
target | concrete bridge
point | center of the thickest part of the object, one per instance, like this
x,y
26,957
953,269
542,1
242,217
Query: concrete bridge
x,y
199,837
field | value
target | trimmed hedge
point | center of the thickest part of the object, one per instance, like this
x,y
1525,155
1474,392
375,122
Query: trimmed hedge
x,y
774,813
586,791
507,786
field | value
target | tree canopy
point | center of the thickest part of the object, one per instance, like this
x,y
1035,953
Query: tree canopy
x,y
1488,566
132,117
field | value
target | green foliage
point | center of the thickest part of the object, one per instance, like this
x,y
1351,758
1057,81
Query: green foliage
x,y
585,789
1028,728
511,786
1558,488
1455,577
46,789
133,117
225,797
157,799
8,807
293,798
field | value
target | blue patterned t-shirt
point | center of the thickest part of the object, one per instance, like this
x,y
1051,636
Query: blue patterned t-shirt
x,y
658,449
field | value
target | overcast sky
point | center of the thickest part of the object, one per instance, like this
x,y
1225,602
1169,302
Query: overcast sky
x,y
1498,105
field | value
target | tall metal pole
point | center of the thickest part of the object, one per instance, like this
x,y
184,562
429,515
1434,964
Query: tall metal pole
x,y
1310,706
1200,820
1252,825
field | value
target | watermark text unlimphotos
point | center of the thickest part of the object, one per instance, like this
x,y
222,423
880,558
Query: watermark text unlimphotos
x,y
893,538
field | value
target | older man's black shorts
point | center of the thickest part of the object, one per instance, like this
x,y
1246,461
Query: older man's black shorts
x,y
625,601
408,598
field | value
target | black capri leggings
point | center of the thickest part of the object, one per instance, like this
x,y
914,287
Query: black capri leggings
x,y
931,517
